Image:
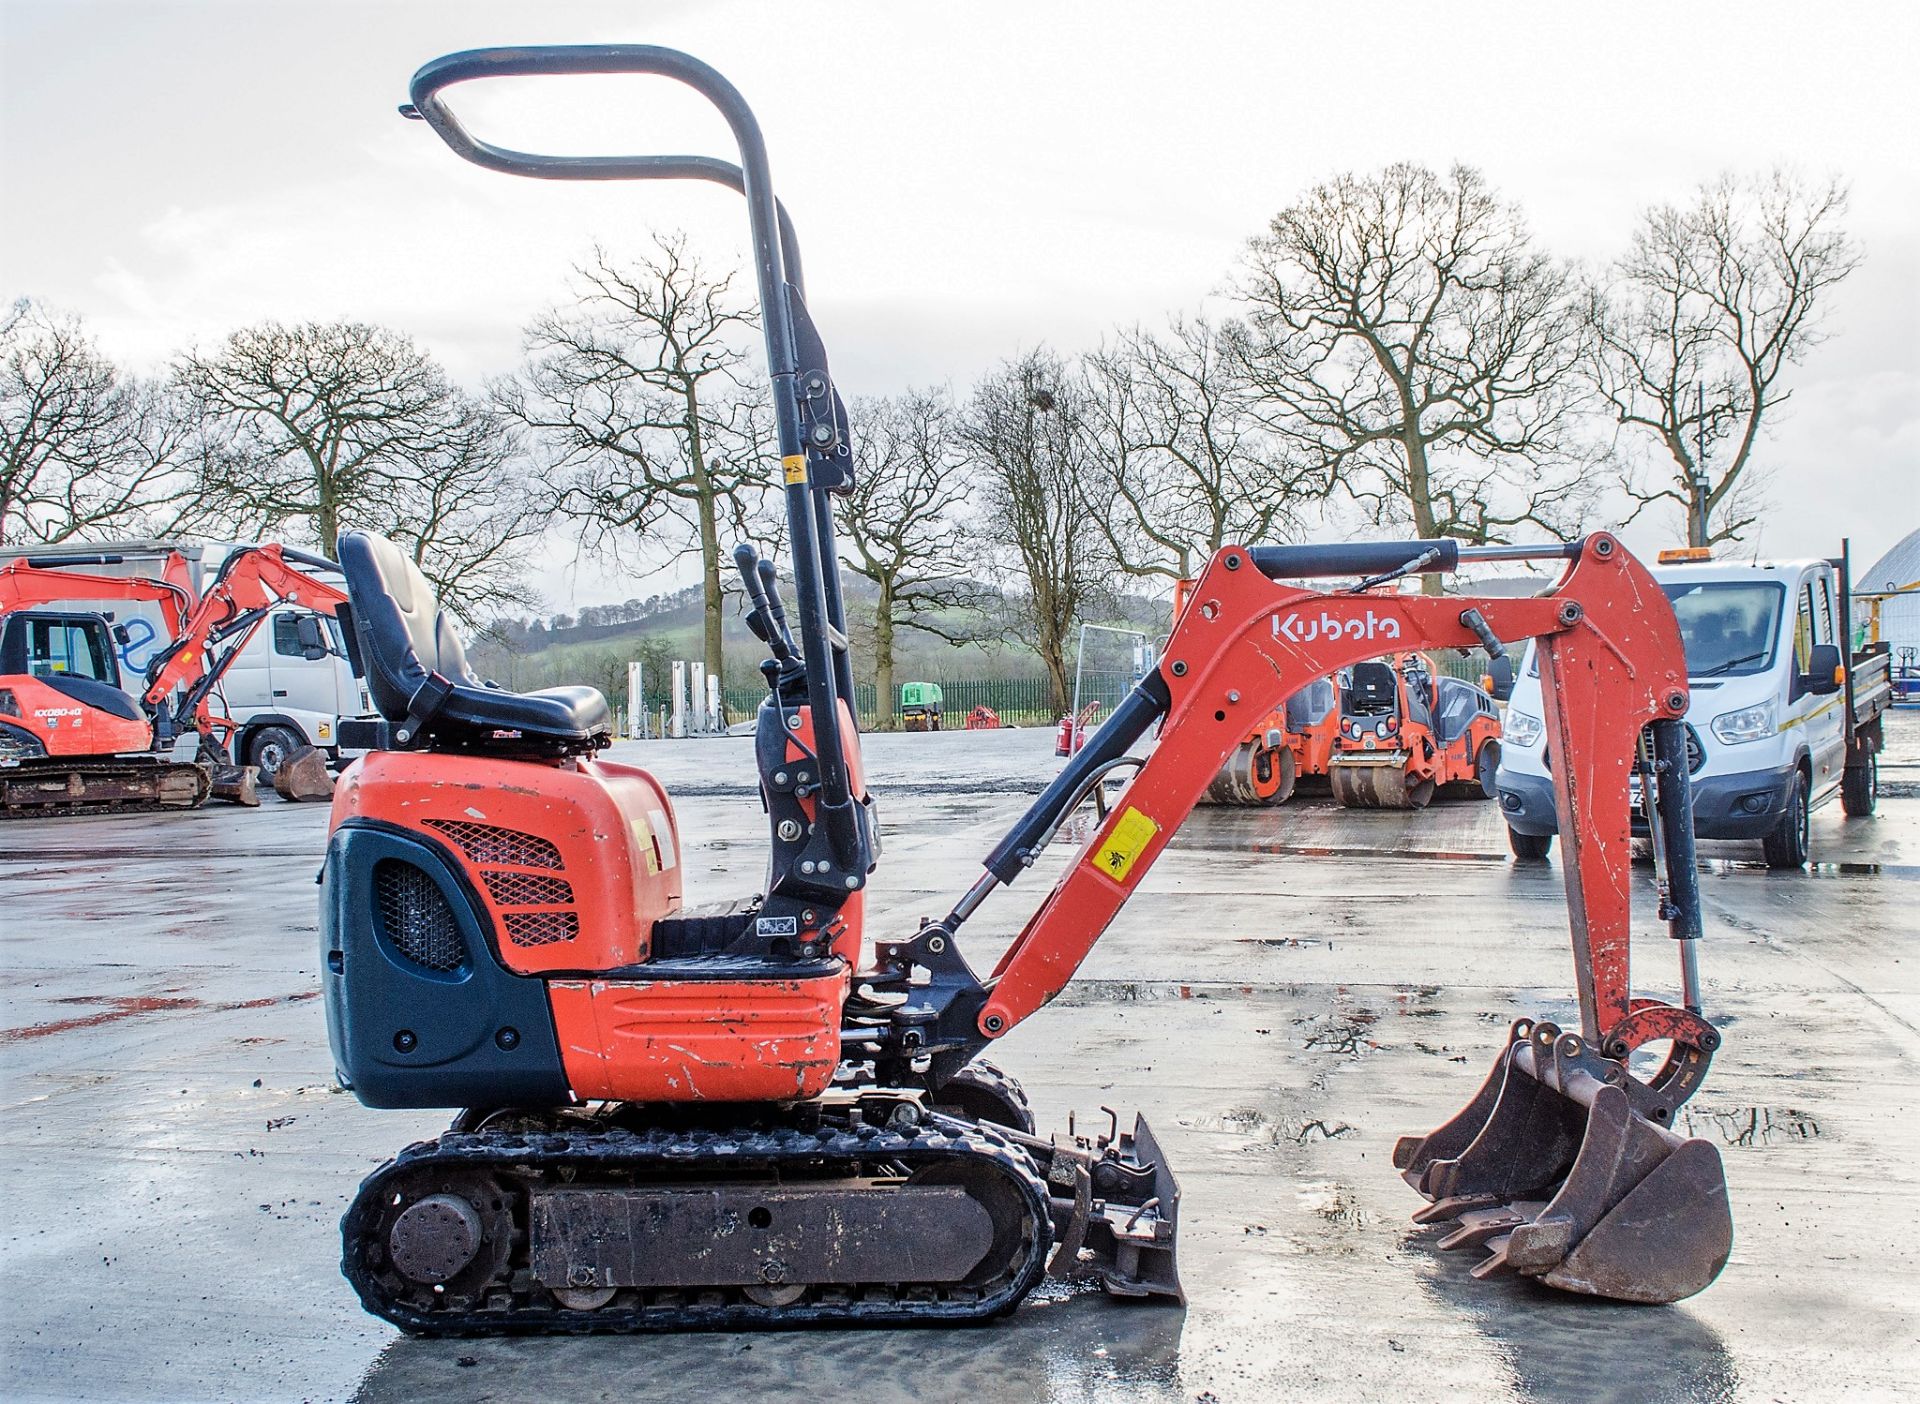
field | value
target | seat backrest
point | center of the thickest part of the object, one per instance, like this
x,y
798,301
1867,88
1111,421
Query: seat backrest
x,y
403,633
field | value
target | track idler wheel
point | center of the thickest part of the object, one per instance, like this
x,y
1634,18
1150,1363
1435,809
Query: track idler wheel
x,y
1564,1168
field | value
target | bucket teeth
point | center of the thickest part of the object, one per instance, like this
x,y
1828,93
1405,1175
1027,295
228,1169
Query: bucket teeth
x,y
1555,1173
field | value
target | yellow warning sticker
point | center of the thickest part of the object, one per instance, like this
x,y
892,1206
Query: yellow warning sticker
x,y
796,466
1125,844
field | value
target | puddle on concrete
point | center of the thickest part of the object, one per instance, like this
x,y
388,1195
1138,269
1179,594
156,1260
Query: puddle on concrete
x,y
1332,1202
1749,1128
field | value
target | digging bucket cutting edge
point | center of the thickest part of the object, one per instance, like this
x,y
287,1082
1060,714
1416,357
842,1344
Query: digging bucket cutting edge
x,y
1560,1167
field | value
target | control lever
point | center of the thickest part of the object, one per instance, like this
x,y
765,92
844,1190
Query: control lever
x,y
770,582
765,619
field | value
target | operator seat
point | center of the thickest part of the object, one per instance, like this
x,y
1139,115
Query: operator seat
x,y
418,677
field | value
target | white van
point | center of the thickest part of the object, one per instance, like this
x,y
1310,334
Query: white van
x,y
1778,723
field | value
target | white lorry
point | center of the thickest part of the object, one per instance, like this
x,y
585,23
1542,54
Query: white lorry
x,y
1781,719
288,688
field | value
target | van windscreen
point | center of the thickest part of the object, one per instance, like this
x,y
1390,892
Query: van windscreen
x,y
1730,627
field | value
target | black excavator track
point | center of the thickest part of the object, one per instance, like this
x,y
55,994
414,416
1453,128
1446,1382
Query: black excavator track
x,y
117,785
837,1222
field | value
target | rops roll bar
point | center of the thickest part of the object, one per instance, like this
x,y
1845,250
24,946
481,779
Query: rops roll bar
x,y
776,268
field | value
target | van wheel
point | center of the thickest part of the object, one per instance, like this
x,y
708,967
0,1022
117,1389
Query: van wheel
x,y
1530,848
1787,846
1860,786
269,749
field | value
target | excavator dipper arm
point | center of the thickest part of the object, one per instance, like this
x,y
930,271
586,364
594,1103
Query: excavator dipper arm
x,y
1610,662
250,582
1564,1166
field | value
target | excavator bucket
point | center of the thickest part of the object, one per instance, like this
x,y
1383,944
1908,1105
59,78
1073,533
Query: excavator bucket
x,y
1561,1167
237,784
304,776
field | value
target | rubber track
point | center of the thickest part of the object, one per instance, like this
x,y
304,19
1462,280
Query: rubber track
x,y
615,1152
28,808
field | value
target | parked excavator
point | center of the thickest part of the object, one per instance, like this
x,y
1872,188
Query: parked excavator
x,y
1406,733
756,1116
74,738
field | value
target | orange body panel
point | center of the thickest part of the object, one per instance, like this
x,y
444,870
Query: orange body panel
x,y
69,728
572,862
705,1040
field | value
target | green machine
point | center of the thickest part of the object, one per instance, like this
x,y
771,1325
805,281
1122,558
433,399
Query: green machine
x,y
920,705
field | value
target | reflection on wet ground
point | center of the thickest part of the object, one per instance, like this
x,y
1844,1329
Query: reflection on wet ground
x,y
1557,1346
1061,1345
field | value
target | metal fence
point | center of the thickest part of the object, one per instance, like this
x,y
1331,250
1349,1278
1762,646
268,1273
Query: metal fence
x,y
1028,701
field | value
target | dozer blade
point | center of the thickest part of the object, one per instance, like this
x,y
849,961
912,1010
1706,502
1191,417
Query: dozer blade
x,y
1377,781
1116,1211
1560,1168
237,784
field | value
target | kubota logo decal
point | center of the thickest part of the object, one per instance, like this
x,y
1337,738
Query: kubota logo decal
x,y
1294,629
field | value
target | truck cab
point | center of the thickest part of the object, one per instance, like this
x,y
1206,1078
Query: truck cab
x,y
1771,723
289,687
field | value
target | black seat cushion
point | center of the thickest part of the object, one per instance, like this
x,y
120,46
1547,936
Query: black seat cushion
x,y
406,641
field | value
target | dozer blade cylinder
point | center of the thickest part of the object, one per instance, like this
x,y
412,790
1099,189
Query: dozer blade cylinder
x,y
1565,1179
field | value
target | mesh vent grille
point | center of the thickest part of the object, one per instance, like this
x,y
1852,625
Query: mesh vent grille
x,y
416,918
541,928
487,843
527,889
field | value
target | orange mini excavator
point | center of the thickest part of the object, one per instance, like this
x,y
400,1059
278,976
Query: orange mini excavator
x,y
756,1115
73,737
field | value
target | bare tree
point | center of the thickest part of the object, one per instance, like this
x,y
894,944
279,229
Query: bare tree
x,y
901,527
1024,424
313,428
652,425
1697,325
85,450
1415,345
1179,464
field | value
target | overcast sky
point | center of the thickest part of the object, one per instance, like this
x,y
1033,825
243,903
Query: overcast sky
x,y
967,179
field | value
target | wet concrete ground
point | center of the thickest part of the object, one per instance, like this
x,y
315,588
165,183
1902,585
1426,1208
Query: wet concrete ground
x,y
1290,991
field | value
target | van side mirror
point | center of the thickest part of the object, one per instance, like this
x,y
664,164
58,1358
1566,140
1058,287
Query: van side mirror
x,y
313,641
1826,672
